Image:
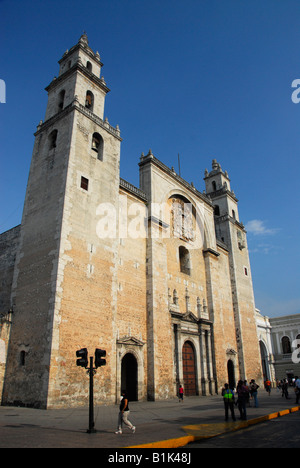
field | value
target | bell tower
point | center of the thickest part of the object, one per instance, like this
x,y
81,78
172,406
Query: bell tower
x,y
231,232
65,270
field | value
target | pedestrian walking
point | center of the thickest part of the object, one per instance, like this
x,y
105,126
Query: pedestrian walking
x,y
285,389
248,396
243,393
228,397
268,387
297,389
278,385
123,415
180,393
253,391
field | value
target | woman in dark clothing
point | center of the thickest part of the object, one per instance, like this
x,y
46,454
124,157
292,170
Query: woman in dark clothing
x,y
243,394
123,415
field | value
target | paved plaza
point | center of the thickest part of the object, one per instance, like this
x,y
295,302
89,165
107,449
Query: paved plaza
x,y
163,424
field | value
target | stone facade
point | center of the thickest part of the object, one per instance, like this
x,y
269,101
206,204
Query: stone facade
x,y
8,250
158,276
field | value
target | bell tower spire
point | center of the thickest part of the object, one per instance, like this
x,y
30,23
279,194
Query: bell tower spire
x,y
79,78
218,188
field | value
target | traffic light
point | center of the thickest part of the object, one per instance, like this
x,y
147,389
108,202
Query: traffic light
x,y
82,354
99,354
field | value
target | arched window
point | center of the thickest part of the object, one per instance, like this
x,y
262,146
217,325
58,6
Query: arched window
x,y
217,210
184,260
98,145
233,214
175,297
183,218
214,186
22,358
286,345
89,66
61,99
89,100
52,139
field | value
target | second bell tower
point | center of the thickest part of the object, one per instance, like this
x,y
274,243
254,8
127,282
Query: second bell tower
x,y
232,233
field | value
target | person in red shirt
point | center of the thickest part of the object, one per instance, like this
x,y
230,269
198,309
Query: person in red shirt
x,y
180,393
268,386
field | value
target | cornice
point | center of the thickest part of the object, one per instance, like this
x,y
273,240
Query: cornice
x,y
81,68
84,48
150,159
75,105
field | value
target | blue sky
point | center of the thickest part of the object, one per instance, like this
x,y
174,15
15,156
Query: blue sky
x,y
203,78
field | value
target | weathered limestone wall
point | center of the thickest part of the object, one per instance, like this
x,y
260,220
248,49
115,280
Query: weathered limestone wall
x,y
9,241
245,305
221,313
34,284
131,322
8,250
86,299
207,282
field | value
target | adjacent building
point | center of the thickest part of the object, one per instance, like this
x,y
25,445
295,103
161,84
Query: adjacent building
x,y
279,340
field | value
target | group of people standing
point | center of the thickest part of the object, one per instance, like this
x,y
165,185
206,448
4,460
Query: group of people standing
x,y
284,385
243,393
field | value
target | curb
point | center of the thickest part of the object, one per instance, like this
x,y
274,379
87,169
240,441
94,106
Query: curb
x,y
185,440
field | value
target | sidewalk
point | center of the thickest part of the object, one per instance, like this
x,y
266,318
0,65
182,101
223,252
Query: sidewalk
x,y
163,424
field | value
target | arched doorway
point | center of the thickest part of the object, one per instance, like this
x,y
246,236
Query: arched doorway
x,y
231,374
189,369
264,360
129,376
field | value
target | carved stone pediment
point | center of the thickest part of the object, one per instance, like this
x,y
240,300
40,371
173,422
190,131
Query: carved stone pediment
x,y
130,341
231,351
188,317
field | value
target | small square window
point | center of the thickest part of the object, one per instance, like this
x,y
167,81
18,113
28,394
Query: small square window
x,y
84,183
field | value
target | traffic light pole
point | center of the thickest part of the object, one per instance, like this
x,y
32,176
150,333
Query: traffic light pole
x,y
82,361
91,372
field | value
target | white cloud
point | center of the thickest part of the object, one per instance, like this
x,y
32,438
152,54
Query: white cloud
x,y
264,248
258,228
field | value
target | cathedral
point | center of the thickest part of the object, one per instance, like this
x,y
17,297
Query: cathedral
x,y
157,276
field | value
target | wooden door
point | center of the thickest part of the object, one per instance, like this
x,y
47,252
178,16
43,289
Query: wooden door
x,y
189,369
